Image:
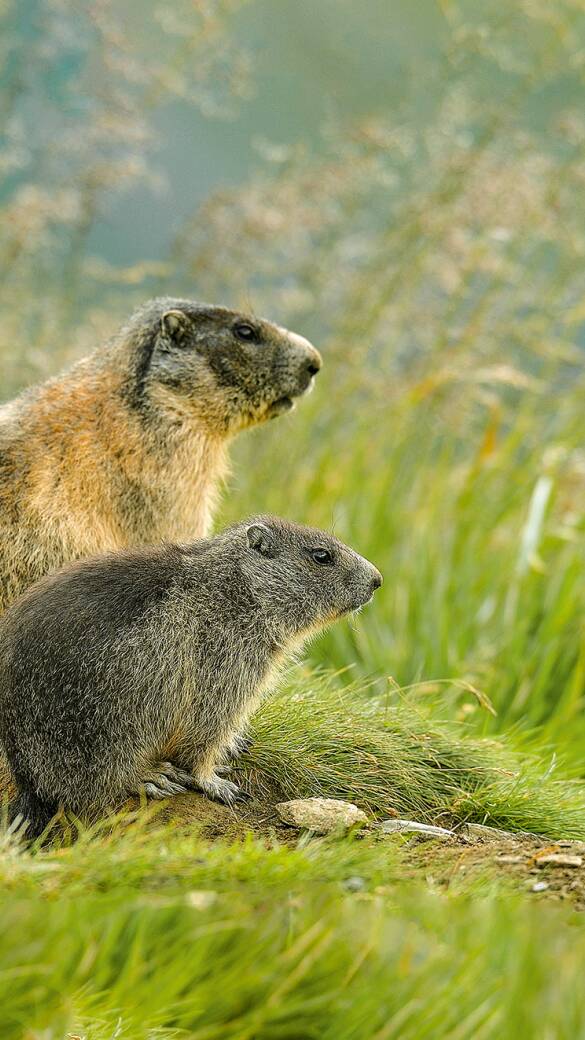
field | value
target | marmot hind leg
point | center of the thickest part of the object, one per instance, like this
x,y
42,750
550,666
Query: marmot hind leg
x,y
32,812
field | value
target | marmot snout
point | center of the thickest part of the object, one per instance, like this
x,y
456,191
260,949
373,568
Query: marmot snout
x,y
139,670
250,369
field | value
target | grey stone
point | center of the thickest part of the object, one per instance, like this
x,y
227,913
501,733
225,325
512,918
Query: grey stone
x,y
412,827
354,884
321,815
478,832
201,899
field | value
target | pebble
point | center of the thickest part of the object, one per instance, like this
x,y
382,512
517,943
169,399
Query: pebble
x,y
201,899
559,859
354,884
412,827
321,815
478,832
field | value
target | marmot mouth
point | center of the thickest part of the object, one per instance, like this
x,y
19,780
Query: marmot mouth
x,y
354,608
278,407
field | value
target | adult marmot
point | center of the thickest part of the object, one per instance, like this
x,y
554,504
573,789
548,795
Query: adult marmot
x,y
141,668
128,446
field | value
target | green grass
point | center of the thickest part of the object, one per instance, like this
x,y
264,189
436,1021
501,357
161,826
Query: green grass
x,y
163,935
141,929
435,255
480,585
319,738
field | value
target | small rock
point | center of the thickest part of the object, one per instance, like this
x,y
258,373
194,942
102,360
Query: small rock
x,y
478,832
510,859
321,815
201,899
354,884
559,859
539,886
412,827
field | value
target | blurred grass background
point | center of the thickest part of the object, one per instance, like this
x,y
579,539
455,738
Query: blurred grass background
x,y
404,184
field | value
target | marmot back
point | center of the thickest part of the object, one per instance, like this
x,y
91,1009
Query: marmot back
x,y
129,446
139,670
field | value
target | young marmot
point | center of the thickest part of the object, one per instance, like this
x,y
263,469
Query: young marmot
x,y
128,447
140,669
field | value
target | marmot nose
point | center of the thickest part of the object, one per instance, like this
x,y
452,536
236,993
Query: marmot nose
x,y
313,364
377,579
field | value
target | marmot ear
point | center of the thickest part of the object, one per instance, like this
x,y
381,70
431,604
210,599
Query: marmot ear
x,y
261,539
175,325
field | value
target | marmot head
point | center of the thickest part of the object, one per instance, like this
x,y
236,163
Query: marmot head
x,y
302,578
228,369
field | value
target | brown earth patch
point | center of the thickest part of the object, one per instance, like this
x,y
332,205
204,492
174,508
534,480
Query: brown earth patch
x,y
535,866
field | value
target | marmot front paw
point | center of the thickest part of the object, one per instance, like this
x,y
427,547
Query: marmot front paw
x,y
220,790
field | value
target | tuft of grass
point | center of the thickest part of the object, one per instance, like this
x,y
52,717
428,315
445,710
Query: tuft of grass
x,y
319,737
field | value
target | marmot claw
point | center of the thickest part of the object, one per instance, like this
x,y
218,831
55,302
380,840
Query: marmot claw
x,y
161,788
221,790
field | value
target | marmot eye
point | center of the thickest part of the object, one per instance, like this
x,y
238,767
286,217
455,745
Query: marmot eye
x,y
322,556
245,332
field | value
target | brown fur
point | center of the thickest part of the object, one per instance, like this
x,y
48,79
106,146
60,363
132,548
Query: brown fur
x,y
129,447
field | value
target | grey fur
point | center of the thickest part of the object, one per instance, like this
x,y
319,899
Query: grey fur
x,y
139,670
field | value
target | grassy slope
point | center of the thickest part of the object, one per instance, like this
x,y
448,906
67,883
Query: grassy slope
x,y
139,932
161,935
319,738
